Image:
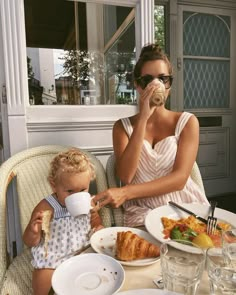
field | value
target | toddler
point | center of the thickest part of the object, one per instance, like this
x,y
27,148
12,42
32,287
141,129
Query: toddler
x,y
70,172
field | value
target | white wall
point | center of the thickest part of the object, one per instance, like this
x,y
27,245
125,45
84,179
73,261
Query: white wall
x,y
88,127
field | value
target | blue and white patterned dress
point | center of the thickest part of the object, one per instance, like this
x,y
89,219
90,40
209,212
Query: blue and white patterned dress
x,y
67,234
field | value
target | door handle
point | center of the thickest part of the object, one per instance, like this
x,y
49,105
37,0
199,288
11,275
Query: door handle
x,y
179,63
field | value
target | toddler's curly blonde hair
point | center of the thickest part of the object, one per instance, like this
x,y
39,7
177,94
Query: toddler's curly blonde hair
x,y
72,161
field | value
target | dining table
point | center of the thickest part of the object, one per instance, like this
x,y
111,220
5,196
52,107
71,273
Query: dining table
x,y
141,277
145,275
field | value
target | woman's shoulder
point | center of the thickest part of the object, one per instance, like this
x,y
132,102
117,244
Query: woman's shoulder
x,y
188,117
180,120
127,121
181,116
185,121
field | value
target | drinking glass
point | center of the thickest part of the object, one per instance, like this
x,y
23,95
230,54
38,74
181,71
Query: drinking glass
x,y
182,267
221,275
229,247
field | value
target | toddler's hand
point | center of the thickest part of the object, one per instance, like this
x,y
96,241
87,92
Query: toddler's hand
x,y
36,222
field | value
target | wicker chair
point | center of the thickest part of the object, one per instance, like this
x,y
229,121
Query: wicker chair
x,y
30,167
113,181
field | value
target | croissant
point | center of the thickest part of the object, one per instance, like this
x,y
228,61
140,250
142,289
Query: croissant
x,y
130,246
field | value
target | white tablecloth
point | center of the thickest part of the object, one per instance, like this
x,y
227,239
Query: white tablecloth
x,y
141,277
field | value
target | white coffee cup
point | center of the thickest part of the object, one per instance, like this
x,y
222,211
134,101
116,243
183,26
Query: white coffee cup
x,y
158,97
78,203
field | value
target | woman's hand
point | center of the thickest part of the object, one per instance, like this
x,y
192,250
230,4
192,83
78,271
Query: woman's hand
x,y
144,101
95,207
113,196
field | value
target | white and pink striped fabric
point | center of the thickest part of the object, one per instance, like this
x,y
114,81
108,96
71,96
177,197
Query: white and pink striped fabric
x,y
155,163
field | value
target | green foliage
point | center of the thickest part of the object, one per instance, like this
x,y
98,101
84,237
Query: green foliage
x,y
83,66
159,25
123,99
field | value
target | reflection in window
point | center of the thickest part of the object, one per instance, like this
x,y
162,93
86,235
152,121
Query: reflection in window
x,y
79,53
120,61
161,24
161,28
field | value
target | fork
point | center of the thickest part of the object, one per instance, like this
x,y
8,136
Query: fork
x,y
211,220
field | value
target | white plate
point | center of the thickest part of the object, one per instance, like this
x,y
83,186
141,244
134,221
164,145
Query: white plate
x,y
147,292
88,274
104,240
154,225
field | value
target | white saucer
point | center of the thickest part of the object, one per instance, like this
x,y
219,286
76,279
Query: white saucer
x,y
88,274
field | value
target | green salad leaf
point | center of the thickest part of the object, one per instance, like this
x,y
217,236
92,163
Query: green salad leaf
x,y
182,233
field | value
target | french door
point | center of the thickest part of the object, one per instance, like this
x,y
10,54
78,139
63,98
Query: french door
x,y
206,73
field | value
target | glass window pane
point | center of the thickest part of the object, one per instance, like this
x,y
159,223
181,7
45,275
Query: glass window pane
x,y
111,13
160,25
200,30
120,61
66,42
206,84
161,29
206,45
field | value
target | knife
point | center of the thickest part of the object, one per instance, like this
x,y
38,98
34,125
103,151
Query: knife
x,y
191,213
76,252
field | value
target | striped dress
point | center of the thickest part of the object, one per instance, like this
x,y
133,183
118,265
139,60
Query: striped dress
x,y
155,163
67,234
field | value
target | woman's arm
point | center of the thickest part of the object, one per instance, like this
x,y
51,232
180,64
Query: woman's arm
x,y
33,232
175,181
127,150
96,221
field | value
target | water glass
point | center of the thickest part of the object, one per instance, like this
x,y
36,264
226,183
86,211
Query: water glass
x,y
222,276
182,267
229,247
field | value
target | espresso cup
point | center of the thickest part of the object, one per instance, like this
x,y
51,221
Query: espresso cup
x,y
78,203
158,97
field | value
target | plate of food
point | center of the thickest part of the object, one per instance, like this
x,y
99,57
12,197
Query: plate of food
x,y
130,246
88,274
169,223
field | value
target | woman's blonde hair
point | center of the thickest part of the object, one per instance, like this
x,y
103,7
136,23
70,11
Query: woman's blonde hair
x,y
72,161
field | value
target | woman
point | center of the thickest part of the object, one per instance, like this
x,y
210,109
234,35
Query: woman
x,y
155,149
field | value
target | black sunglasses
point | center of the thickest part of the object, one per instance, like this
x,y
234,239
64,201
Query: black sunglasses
x,y
143,81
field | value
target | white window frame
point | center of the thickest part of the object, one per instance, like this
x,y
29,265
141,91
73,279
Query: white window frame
x,y
25,125
23,117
